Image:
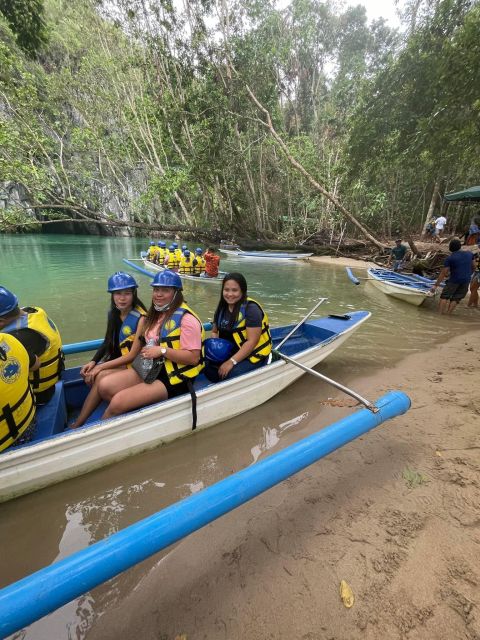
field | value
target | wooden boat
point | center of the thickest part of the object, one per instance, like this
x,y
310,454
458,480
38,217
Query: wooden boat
x,y
57,454
267,255
412,289
159,267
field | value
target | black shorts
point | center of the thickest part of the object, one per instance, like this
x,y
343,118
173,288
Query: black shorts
x,y
454,292
173,390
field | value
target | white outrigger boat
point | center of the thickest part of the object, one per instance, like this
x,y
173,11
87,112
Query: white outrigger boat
x,y
266,255
408,288
58,453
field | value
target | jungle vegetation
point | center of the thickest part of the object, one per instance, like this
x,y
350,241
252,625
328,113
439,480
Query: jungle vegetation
x,y
165,115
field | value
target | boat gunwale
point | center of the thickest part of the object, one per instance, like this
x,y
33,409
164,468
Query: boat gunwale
x,y
119,424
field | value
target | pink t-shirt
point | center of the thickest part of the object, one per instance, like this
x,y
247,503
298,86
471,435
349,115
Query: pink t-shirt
x,y
190,332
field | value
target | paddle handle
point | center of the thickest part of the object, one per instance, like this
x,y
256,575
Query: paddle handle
x,y
321,301
334,383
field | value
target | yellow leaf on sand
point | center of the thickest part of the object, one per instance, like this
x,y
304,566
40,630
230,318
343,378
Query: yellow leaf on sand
x,y
438,453
346,594
182,637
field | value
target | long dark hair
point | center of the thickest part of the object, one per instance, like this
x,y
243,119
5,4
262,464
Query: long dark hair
x,y
114,322
222,307
152,313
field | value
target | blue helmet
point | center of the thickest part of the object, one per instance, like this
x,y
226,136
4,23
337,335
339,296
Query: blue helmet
x,y
198,251
121,280
167,278
218,349
8,301
186,253
162,244
152,243
175,245
172,247
184,246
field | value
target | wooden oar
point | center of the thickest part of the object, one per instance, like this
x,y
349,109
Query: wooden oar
x,y
334,383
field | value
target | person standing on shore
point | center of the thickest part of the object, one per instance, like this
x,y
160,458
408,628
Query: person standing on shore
x,y
440,223
397,255
458,267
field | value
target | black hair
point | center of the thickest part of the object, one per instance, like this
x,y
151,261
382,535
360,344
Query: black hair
x,y
114,321
222,307
454,245
10,315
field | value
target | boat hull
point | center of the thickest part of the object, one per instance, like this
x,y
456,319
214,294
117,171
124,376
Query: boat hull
x,y
73,453
414,294
198,279
267,255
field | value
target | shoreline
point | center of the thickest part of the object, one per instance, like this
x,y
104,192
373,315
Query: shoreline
x,y
343,262
396,513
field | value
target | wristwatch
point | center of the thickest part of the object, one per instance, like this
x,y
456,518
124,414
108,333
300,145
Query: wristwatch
x,y
163,351
233,361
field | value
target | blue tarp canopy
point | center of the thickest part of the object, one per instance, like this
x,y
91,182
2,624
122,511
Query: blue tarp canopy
x,y
467,195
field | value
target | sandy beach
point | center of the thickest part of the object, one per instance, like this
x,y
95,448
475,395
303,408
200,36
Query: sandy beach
x,y
396,514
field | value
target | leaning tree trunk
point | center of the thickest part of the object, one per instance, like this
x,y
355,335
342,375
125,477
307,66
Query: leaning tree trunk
x,y
433,202
316,185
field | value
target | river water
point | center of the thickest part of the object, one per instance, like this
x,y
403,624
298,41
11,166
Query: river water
x,y
67,276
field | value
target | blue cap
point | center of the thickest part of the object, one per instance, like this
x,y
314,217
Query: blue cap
x,y
167,278
218,349
121,280
8,301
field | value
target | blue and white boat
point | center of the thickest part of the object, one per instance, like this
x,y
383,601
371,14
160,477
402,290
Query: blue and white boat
x,y
57,453
266,255
409,288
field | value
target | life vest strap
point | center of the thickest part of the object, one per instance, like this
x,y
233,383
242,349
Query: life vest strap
x,y
7,415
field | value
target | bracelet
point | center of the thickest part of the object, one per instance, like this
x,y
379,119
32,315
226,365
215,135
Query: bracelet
x,y
233,361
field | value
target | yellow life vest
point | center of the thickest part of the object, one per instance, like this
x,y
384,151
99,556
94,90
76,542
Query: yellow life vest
x,y
51,360
200,264
162,252
264,345
186,265
151,253
17,405
128,329
173,260
170,337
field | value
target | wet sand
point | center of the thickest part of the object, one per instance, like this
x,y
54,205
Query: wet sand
x,y
342,262
396,514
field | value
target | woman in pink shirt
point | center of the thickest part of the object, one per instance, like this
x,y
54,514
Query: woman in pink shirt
x,y
170,338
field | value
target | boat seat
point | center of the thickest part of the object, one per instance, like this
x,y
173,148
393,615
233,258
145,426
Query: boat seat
x,y
51,417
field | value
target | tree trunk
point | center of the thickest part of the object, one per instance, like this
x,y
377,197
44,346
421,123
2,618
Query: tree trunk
x,y
318,187
433,202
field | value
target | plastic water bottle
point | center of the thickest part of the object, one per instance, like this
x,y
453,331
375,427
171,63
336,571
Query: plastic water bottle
x,y
147,362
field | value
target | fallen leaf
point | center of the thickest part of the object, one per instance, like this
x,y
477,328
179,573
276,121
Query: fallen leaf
x,y
346,594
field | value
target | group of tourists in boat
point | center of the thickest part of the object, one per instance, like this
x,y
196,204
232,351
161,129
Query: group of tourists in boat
x,y
148,355
184,261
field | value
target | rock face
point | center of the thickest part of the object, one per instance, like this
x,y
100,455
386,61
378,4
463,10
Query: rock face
x,y
15,196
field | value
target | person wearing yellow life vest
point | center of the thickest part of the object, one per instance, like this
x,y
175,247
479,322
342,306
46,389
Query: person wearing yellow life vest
x,y
124,314
172,260
39,335
199,262
162,252
167,353
240,321
152,249
187,266
17,404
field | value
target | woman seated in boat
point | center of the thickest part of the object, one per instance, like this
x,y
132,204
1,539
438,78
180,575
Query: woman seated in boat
x,y
242,322
123,317
168,344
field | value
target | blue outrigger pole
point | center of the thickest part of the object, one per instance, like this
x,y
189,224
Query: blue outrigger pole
x,y
41,593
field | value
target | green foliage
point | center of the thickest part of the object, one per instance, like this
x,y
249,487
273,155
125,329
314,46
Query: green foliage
x,y
26,19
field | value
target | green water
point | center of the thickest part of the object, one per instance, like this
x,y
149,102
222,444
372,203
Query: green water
x,y
67,276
